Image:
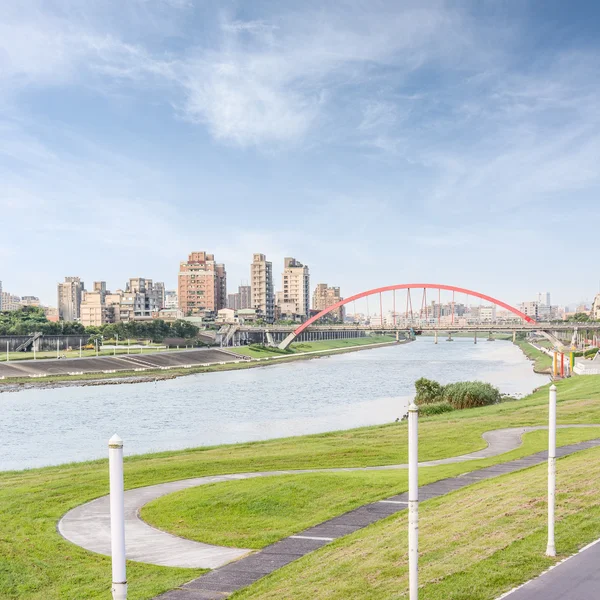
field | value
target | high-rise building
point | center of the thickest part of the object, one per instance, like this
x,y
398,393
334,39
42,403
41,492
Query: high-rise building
x,y
233,301
324,297
159,292
1,297
93,306
69,298
544,298
202,284
245,292
261,284
242,299
295,286
139,300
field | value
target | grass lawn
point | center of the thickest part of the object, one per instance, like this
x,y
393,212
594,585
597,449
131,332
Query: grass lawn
x,y
313,346
254,513
474,544
542,363
36,563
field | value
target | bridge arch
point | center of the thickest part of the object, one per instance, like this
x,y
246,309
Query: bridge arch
x,y
403,286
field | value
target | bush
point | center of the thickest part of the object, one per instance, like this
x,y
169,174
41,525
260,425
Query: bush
x,y
437,408
428,391
469,394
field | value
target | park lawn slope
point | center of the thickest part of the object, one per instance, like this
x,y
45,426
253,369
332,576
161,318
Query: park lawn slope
x,y
36,563
256,351
254,513
542,363
474,544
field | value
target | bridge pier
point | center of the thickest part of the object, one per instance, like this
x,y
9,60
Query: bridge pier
x,y
449,337
435,334
490,337
475,338
514,336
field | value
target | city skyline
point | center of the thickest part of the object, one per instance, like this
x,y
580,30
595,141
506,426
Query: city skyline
x,y
404,142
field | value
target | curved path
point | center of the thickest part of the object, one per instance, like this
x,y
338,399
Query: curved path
x,y
88,525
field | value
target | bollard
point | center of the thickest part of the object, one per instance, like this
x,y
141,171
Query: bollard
x,y
413,501
550,549
117,518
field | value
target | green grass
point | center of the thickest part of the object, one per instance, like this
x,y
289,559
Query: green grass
x,y
474,544
37,564
542,363
314,346
254,513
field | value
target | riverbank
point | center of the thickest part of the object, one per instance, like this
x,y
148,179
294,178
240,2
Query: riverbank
x,y
542,363
249,359
41,564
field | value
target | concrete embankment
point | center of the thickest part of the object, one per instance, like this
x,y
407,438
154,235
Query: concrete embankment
x,y
140,368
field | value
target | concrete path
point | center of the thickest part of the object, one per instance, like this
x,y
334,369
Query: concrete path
x,y
222,582
88,525
576,578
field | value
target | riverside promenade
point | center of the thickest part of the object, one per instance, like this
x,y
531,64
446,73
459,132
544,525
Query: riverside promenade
x,y
89,525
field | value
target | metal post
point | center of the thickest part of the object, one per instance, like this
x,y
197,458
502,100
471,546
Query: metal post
x,y
413,501
33,350
7,356
117,518
550,548
57,348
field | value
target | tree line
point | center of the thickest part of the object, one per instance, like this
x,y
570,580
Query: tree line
x,y
30,319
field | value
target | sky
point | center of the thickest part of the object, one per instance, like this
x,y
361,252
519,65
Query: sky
x,y
378,142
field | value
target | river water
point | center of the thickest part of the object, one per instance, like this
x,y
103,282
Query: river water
x,y
52,426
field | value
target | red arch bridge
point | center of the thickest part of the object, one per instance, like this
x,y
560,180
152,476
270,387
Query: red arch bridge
x,y
411,312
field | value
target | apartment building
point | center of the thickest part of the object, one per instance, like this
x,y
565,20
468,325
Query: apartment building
x,y
262,298
324,297
93,306
295,282
202,284
171,300
30,301
69,298
241,299
139,300
9,301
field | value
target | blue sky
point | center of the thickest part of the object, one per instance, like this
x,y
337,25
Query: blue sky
x,y
378,142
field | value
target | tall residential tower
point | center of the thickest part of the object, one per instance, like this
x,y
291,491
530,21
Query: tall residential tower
x,y
261,284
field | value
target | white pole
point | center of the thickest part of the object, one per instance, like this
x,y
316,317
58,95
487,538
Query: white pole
x,y
117,518
413,501
550,548
57,348
7,357
80,354
33,350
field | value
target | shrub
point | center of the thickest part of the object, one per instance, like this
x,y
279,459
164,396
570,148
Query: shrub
x,y
437,408
469,394
428,391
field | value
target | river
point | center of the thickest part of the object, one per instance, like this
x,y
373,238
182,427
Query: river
x,y
42,427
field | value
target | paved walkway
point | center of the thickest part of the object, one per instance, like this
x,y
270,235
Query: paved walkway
x,y
577,578
88,525
222,582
